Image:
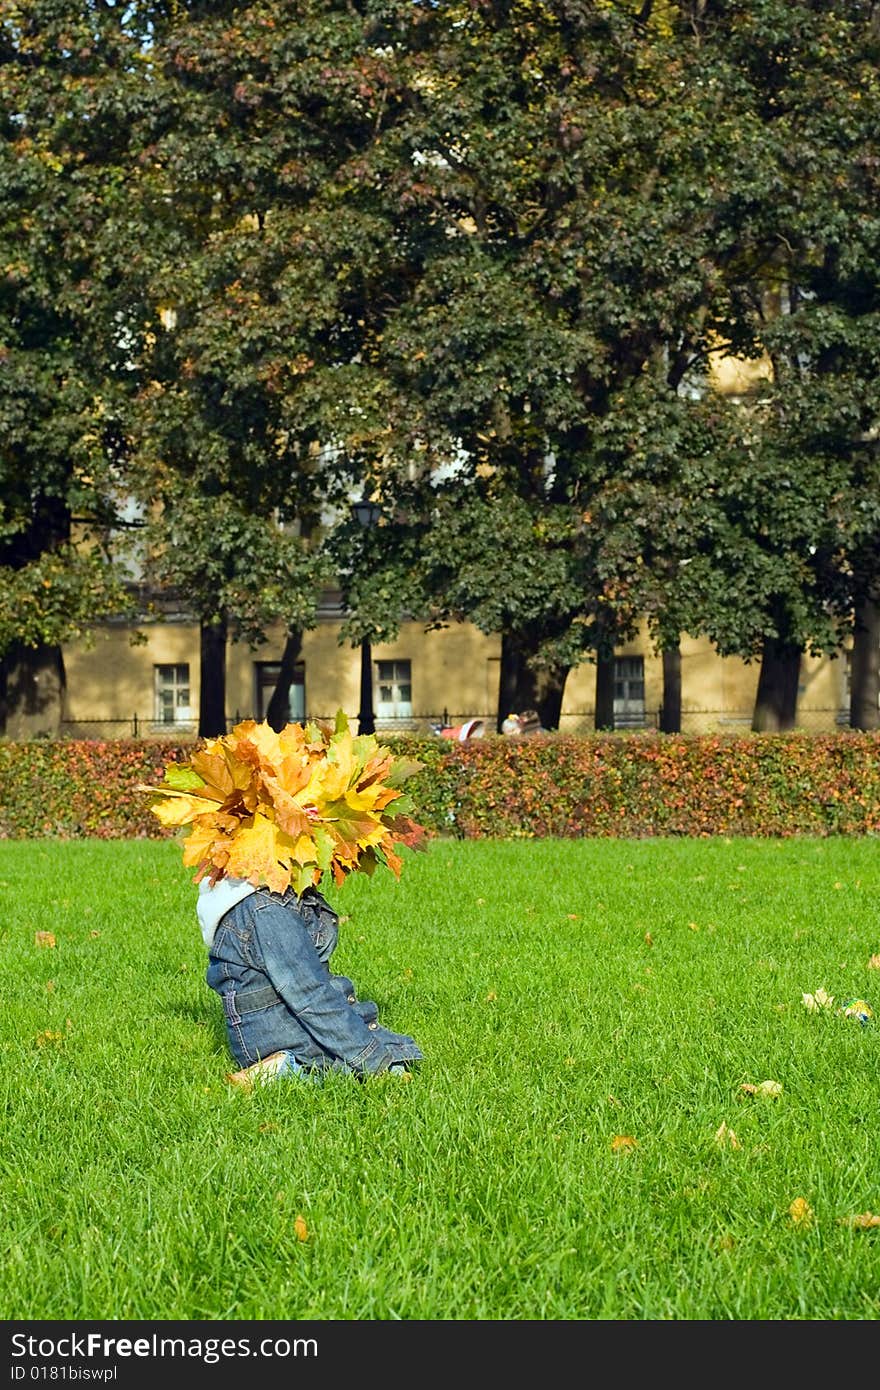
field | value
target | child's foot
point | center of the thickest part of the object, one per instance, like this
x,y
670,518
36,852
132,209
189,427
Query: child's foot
x,y
267,1069
400,1070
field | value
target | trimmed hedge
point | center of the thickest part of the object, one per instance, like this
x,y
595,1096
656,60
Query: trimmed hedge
x,y
624,785
88,787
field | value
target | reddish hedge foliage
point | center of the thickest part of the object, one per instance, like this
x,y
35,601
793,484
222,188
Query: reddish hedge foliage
x,y
634,786
630,785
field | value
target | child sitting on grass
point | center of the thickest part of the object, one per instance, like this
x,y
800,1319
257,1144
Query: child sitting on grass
x,y
286,1014
266,815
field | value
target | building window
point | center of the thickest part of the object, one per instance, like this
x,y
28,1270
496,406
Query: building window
x,y
171,690
629,692
394,679
266,675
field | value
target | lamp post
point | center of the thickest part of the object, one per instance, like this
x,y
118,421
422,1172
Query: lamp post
x,y
366,514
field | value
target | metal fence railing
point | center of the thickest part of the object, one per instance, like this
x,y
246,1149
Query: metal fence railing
x,y
693,721
147,726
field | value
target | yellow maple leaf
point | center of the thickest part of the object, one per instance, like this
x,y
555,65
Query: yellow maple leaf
x,y
202,842
254,854
801,1212
300,1228
181,808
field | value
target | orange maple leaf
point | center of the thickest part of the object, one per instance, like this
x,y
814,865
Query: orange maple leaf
x,y
622,1142
865,1221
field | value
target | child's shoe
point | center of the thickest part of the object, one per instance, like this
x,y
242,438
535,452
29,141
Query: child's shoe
x,y
400,1070
267,1069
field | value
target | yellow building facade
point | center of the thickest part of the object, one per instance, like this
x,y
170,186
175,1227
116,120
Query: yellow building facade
x,y
117,689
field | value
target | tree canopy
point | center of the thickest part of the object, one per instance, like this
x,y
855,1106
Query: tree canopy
x,y
476,260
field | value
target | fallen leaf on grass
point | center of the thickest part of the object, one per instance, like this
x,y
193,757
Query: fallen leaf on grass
x,y
491,997
621,1143
693,926
50,986
649,938
301,1230
874,963
48,1038
266,1128
44,938
725,1137
612,1100
94,933
770,1089
574,916
818,1001
863,1222
801,1212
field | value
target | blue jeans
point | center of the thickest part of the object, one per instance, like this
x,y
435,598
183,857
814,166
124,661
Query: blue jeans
x,y
269,964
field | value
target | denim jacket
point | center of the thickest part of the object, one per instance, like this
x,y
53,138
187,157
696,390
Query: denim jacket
x,y
268,963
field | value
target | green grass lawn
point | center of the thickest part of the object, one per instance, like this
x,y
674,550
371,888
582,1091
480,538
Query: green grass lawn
x,y
569,996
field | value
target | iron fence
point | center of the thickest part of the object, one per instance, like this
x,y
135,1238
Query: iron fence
x,y
703,721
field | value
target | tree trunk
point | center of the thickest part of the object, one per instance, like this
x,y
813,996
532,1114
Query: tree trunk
x,y
604,716
508,683
366,713
32,691
278,713
549,694
670,713
522,687
212,679
776,701
864,705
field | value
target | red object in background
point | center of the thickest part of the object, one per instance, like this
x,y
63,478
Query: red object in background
x,y
460,733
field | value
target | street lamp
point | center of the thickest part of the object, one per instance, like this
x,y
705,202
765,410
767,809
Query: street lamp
x,y
366,514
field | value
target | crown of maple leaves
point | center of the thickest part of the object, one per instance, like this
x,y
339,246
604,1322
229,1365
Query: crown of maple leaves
x,y
284,809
